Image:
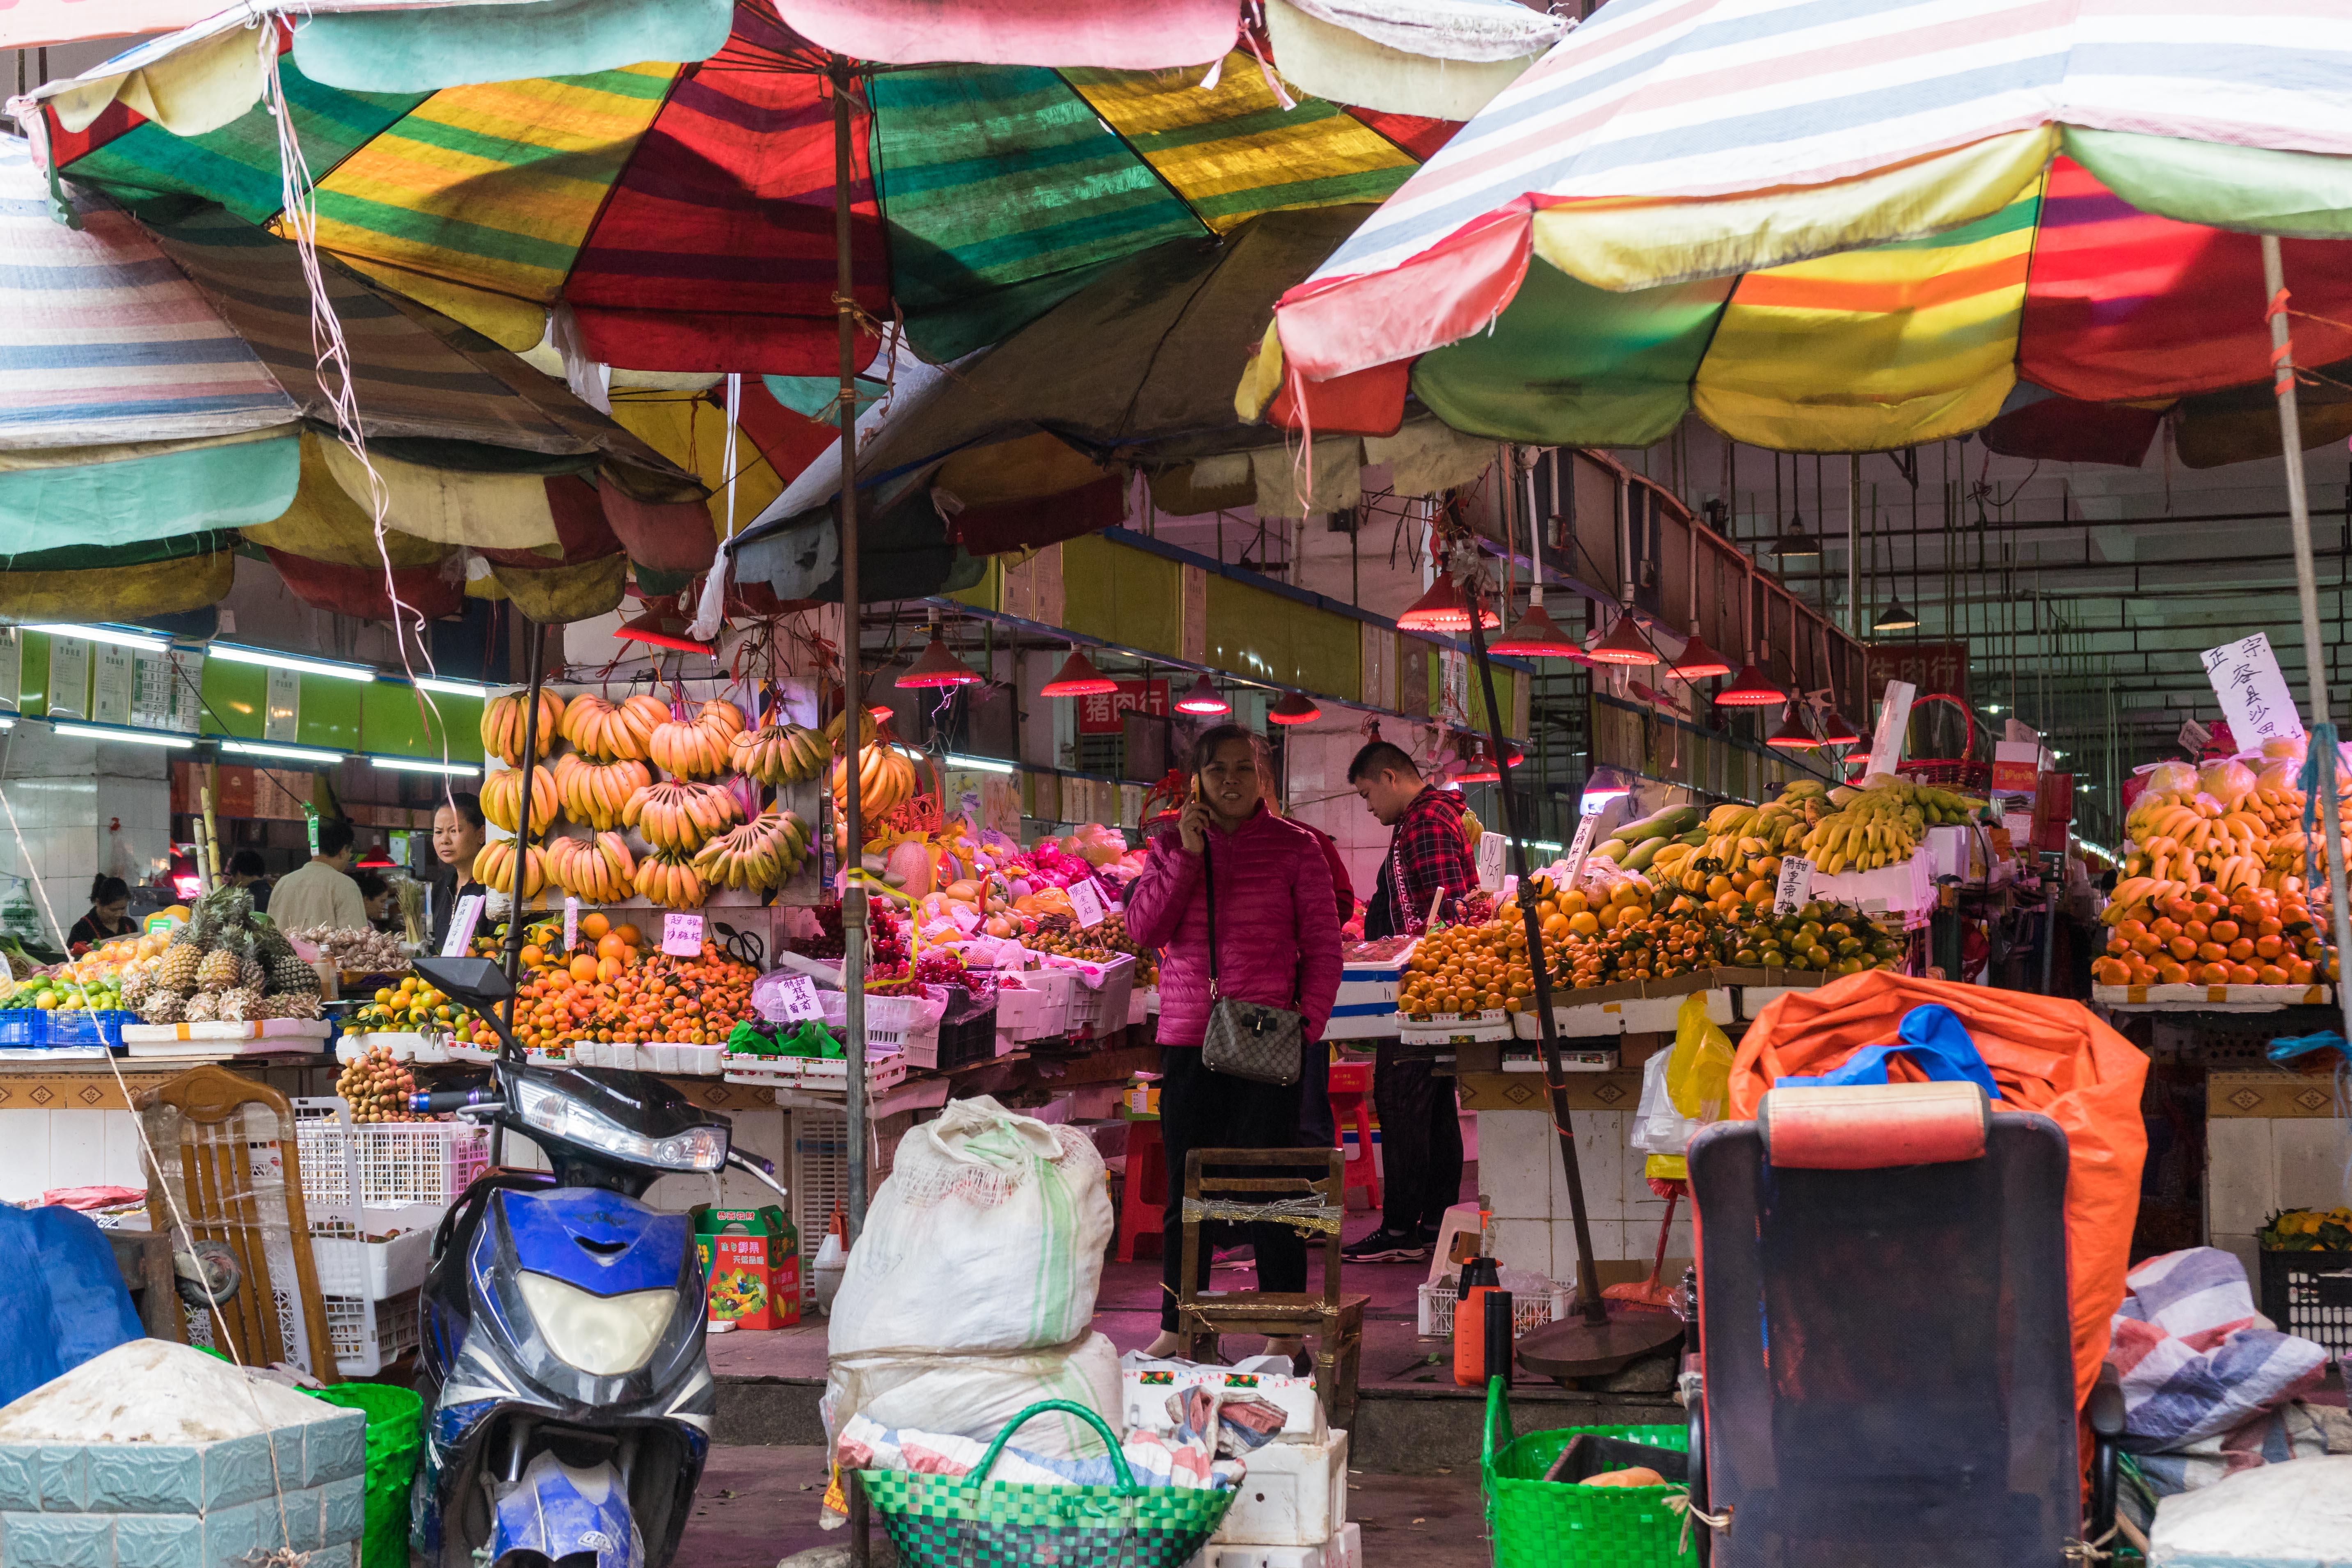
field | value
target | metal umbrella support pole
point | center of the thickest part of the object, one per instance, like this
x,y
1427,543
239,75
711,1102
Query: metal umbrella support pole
x,y
1593,1342
2306,589
853,714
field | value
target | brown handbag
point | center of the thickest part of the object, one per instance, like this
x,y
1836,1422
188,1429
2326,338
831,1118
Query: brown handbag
x,y
1247,1040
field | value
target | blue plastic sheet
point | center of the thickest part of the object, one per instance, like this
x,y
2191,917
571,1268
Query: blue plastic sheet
x,y
65,1302
1933,1040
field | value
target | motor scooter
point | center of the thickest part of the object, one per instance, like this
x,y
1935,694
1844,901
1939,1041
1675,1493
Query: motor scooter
x,y
564,1319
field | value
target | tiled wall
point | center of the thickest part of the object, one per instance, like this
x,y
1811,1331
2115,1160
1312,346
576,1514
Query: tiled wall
x,y
44,1150
80,808
2255,1166
1316,790
1519,1169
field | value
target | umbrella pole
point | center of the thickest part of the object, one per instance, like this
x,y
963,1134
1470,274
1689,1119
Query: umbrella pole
x,y
853,714
2306,590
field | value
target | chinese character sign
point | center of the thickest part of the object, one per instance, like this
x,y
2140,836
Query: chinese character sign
x,y
2254,698
1106,714
1938,668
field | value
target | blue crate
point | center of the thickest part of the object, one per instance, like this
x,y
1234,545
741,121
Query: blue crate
x,y
23,1028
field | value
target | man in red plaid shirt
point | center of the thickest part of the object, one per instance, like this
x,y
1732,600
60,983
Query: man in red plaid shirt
x,y
1421,1131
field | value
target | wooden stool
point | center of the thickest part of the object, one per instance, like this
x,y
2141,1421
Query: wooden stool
x,y
1143,1195
1351,1087
1337,1321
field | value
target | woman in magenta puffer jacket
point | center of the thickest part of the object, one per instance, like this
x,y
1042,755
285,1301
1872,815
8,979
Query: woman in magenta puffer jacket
x,y
1278,943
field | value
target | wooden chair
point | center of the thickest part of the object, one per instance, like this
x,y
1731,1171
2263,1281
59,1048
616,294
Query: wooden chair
x,y
1316,1191
224,1152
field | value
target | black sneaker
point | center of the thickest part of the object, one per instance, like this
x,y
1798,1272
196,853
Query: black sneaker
x,y
1386,1247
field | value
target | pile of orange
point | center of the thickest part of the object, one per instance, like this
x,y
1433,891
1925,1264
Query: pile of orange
x,y
616,991
2248,936
1472,969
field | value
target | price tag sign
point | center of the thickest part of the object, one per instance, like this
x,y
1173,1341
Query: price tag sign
x,y
1490,853
2193,736
571,921
1579,848
1087,902
1894,722
462,921
2254,695
681,935
795,997
1796,884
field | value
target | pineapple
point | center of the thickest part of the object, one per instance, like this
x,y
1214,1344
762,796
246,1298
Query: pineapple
x,y
135,983
218,970
163,1008
204,1007
249,972
241,1003
282,969
176,973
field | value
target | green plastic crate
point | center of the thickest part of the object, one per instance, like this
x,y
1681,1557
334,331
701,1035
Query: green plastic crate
x,y
1536,1523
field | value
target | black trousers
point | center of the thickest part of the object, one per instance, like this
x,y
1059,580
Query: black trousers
x,y
1205,1109
1420,1142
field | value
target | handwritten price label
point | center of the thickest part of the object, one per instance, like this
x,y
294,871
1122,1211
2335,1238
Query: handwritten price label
x,y
1087,902
1579,849
795,997
570,922
681,935
1796,884
462,921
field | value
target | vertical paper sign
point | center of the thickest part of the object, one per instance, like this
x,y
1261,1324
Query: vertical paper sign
x,y
12,669
110,684
1796,884
462,921
284,719
681,935
68,677
2254,696
1893,721
1490,856
1579,848
792,999
2193,737
1452,686
1084,900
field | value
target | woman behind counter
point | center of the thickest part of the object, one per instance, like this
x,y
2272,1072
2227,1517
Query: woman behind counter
x,y
460,830
109,914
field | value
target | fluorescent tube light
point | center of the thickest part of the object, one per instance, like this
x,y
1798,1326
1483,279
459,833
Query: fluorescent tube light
x,y
124,732
272,748
984,764
449,688
420,766
239,655
145,642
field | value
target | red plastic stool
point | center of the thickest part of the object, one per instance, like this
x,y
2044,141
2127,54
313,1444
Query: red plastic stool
x,y
1352,1087
1143,1198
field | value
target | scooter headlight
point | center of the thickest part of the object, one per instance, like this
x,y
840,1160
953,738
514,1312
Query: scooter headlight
x,y
604,1336
550,1108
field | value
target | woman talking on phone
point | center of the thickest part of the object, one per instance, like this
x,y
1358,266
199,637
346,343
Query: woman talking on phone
x,y
1276,946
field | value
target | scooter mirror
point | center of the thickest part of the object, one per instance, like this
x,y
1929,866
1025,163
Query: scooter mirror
x,y
476,982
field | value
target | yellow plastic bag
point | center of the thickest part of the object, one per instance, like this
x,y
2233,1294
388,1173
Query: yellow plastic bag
x,y
1698,1077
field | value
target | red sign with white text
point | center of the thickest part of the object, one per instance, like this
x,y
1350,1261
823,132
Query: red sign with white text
x,y
1106,714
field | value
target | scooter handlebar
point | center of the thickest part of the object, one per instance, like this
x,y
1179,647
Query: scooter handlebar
x,y
453,1099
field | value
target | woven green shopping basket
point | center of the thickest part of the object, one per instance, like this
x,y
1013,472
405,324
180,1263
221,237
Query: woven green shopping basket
x,y
970,1521
1557,1524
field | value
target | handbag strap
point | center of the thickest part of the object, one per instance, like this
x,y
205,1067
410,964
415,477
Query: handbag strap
x,y
1209,877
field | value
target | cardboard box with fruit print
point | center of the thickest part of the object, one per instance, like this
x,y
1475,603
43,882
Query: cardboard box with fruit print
x,y
752,1259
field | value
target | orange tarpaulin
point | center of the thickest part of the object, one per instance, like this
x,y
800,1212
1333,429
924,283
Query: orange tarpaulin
x,y
2046,1055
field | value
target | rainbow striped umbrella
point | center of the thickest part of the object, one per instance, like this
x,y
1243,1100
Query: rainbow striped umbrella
x,y
1863,228
684,215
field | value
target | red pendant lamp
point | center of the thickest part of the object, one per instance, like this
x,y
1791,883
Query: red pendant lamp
x,y
1078,678
1624,644
1535,635
1445,608
1837,735
938,666
1294,709
1202,699
1750,687
1697,661
1478,764
1792,736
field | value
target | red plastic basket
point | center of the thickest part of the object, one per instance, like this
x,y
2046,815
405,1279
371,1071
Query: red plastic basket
x,y
1963,771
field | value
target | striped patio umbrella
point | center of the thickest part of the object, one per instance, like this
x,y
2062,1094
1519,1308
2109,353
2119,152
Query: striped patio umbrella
x,y
684,215
1874,225
1863,231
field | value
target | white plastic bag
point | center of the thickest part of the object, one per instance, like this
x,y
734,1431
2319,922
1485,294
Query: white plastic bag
x,y
974,1395
1658,1127
988,1235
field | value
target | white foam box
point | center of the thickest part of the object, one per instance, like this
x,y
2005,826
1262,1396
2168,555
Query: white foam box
x,y
1146,1386
1294,1494
1344,1550
1048,1015
292,1030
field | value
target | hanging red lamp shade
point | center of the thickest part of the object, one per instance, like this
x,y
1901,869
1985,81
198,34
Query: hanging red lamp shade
x,y
1294,709
1444,608
1751,689
1478,764
1837,735
937,666
1624,645
1534,636
1697,661
1202,699
662,624
1792,736
1078,678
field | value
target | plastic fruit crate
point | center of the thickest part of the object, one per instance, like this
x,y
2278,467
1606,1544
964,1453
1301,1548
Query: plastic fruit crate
x,y
1530,1310
2310,1294
74,1028
371,1337
1097,1011
391,1165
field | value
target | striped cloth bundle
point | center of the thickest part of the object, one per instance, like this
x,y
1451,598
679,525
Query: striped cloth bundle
x,y
2195,1360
